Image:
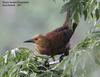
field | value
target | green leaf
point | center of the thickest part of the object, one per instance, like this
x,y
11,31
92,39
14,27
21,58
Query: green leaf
x,y
76,17
5,74
97,13
98,25
66,7
85,14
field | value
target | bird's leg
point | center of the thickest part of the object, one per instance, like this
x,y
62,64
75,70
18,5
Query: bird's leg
x,y
46,63
61,57
66,52
53,58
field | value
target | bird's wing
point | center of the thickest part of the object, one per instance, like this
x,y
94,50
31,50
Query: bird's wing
x,y
59,38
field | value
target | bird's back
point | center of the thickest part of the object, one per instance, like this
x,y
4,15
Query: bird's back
x,y
60,36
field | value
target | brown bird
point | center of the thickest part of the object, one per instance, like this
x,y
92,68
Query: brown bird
x,y
55,42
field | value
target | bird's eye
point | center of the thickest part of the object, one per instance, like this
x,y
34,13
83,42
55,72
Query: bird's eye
x,y
36,38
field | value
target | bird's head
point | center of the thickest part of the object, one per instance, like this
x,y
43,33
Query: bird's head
x,y
38,40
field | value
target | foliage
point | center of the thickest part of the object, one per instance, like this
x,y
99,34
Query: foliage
x,y
21,62
89,9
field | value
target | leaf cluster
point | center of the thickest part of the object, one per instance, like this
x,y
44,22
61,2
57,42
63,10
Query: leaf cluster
x,y
89,9
21,62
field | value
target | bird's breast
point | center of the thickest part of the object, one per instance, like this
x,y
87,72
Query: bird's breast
x,y
43,50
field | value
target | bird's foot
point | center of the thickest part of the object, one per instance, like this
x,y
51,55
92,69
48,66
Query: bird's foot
x,y
53,58
61,58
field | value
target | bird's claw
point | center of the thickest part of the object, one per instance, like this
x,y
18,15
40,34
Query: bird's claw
x,y
61,58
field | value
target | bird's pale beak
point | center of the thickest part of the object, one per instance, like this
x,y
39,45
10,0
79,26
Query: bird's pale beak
x,y
29,41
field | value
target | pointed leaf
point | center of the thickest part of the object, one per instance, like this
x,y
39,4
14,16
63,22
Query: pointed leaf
x,y
97,13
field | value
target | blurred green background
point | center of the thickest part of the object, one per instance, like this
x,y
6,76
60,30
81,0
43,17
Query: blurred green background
x,y
38,16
